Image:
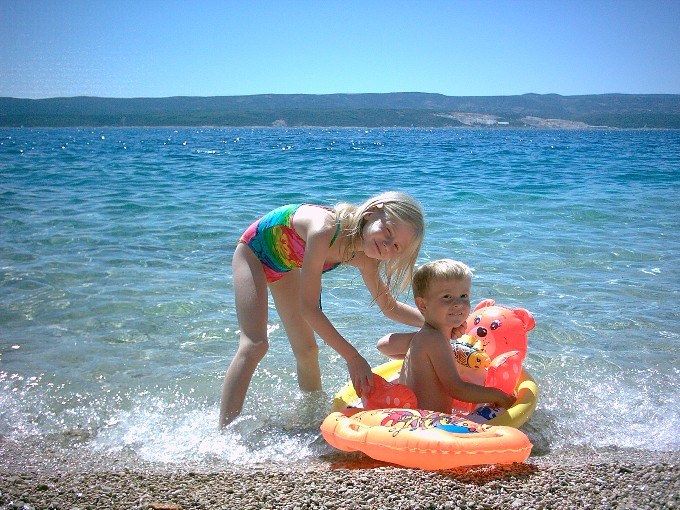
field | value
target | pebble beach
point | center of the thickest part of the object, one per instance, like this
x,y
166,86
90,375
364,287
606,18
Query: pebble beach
x,y
582,478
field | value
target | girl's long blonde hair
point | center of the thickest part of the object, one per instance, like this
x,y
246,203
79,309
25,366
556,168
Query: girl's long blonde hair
x,y
397,271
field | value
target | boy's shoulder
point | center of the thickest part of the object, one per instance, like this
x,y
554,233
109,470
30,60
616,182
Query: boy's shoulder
x,y
427,337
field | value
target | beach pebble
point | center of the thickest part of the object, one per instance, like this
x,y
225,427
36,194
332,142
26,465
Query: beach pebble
x,y
612,480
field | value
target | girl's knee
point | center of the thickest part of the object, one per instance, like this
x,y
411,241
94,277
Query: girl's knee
x,y
309,350
254,350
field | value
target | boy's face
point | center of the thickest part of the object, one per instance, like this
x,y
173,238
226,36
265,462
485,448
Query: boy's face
x,y
446,302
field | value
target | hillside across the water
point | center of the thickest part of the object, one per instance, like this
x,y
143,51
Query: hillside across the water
x,y
399,109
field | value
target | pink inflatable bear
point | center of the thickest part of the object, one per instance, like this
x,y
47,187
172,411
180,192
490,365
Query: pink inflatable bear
x,y
500,333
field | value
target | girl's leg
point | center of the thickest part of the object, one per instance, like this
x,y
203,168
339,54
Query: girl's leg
x,y
250,291
286,293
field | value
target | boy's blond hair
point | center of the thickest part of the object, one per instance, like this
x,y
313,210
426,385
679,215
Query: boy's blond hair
x,y
397,271
443,269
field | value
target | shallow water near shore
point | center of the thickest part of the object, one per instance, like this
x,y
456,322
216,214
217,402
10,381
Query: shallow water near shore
x,y
116,302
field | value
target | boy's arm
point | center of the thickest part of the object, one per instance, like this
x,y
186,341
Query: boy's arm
x,y
440,355
395,345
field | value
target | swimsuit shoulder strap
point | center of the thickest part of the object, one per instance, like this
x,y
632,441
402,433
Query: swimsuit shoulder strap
x,y
335,236
337,229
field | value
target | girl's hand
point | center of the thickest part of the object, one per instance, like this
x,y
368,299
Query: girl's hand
x,y
360,375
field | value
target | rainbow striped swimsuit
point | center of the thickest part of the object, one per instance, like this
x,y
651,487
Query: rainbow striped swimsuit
x,y
276,243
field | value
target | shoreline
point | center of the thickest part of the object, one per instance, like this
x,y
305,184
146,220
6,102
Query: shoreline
x,y
579,478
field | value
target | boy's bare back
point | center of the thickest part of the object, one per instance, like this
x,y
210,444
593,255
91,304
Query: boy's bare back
x,y
428,353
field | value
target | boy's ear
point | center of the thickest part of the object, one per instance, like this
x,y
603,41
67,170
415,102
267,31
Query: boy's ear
x,y
420,304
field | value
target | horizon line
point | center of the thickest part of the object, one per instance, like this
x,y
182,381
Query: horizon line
x,y
339,94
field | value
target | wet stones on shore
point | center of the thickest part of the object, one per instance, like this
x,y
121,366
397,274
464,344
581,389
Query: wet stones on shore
x,y
522,486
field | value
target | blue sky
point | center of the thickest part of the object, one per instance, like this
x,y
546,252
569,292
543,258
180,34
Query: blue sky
x,y
58,48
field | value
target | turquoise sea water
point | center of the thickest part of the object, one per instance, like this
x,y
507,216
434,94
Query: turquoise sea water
x,y
116,303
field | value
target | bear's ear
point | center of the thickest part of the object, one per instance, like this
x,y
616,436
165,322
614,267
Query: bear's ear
x,y
526,318
484,304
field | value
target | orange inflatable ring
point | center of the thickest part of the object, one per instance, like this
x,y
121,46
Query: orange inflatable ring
x,y
526,391
422,439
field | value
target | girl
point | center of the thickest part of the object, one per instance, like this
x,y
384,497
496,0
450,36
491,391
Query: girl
x,y
287,250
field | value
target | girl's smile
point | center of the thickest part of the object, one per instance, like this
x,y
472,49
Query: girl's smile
x,y
384,238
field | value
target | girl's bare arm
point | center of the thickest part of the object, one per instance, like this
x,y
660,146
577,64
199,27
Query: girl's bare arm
x,y
390,307
316,252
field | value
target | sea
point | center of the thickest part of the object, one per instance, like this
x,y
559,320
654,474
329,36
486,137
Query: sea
x,y
117,317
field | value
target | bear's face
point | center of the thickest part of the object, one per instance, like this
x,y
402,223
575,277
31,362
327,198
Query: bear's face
x,y
499,328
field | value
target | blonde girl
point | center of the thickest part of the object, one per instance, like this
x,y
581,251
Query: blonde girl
x,y
287,250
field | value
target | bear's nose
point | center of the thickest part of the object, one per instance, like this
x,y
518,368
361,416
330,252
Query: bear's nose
x,y
481,332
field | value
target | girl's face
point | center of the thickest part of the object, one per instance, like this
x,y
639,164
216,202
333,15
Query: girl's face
x,y
385,237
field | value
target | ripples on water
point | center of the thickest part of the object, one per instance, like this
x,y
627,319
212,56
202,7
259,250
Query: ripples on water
x,y
116,306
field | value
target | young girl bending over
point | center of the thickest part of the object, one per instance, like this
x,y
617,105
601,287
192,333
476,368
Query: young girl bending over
x,y
287,250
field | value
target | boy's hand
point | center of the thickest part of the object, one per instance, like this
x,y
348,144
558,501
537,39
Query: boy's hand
x,y
506,401
360,374
458,331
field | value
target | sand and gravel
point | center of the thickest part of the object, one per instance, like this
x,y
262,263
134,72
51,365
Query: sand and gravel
x,y
584,478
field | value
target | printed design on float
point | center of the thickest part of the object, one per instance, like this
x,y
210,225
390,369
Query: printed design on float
x,y
413,419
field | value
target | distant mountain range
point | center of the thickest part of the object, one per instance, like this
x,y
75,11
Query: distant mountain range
x,y
399,109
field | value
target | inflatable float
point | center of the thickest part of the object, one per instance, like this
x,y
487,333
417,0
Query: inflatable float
x,y
389,427
422,439
526,391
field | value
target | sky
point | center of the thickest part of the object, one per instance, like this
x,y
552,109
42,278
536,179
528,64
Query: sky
x,y
150,48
